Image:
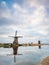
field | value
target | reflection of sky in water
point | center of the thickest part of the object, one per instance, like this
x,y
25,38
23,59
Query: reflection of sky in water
x,y
30,55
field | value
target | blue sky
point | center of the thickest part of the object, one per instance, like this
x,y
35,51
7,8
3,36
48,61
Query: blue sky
x,y
28,17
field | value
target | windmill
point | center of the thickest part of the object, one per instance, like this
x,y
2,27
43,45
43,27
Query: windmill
x,y
15,43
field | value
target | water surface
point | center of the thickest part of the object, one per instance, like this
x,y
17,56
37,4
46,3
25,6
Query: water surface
x,y
26,55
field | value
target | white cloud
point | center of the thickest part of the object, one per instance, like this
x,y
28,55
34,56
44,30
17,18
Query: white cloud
x,y
31,3
36,3
22,20
19,8
5,36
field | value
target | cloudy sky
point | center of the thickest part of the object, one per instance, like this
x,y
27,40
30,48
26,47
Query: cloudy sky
x,y
29,17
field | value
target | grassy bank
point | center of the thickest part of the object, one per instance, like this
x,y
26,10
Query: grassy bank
x,y
45,61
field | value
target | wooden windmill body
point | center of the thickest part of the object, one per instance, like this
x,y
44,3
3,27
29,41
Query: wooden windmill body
x,y
15,43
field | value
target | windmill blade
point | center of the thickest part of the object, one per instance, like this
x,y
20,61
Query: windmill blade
x,y
15,33
19,36
16,36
